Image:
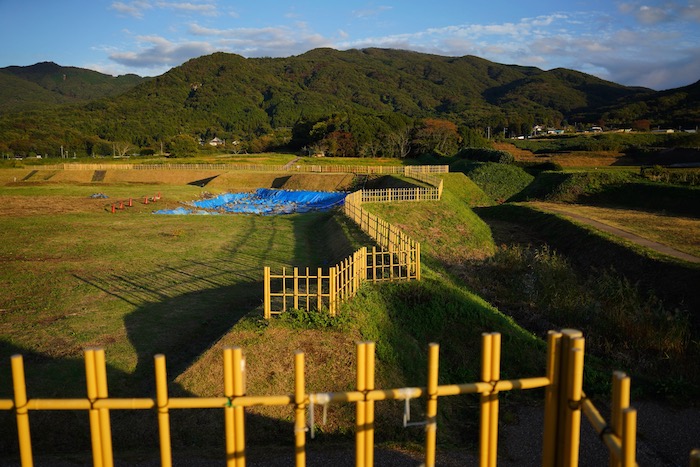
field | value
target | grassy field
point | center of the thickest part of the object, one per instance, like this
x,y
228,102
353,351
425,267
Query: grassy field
x,y
76,275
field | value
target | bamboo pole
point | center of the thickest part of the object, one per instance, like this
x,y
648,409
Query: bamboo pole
x,y
493,417
238,411
102,393
333,286
299,410
229,426
431,405
360,410
485,401
620,402
629,437
94,416
296,288
166,459
21,412
369,406
695,458
572,423
266,293
551,399
319,289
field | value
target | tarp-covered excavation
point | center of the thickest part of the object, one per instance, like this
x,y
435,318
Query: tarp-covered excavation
x,y
263,201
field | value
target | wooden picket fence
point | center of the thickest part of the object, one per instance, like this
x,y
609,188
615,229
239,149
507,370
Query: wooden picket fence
x,y
564,403
314,289
409,170
396,259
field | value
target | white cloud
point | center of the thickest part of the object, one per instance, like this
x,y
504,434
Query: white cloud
x,y
158,52
137,8
208,9
370,12
134,9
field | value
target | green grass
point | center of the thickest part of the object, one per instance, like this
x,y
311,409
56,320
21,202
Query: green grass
x,y
448,230
500,181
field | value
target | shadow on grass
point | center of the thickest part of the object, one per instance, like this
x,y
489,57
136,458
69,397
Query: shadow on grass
x,y
180,309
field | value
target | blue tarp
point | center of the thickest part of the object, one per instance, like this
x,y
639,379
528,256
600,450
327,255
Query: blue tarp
x,y
263,201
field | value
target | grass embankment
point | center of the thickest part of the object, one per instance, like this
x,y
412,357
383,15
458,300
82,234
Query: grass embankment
x,y
637,306
402,319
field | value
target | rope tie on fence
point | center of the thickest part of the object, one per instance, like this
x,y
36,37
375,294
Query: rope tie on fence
x,y
607,430
576,405
320,398
405,394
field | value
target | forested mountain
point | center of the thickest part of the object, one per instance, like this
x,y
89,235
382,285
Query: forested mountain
x,y
355,102
46,83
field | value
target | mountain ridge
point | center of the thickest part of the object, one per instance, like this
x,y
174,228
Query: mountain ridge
x,y
359,91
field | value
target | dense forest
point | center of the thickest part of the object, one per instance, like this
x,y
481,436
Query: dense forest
x,y
370,102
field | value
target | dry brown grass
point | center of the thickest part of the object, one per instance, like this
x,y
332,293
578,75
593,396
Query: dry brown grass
x,y
569,159
681,233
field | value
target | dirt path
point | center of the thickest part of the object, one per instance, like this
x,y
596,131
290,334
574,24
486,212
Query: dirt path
x,y
658,247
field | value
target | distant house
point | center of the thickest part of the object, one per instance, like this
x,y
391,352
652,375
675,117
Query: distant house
x,y
216,142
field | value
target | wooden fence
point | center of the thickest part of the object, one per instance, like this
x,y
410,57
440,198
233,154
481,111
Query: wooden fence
x,y
397,259
314,289
564,403
408,170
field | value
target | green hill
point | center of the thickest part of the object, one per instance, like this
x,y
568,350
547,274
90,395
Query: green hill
x,y
362,98
29,87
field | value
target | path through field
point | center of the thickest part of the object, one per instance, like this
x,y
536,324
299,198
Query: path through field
x,y
571,212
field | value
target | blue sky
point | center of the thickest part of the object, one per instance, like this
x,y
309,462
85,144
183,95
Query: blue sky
x,y
652,43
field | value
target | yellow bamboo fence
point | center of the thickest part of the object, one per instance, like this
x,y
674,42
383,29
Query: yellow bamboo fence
x,y
564,404
396,259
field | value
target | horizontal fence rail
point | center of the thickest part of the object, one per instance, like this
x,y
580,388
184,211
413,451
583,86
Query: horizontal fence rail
x,y
414,171
563,404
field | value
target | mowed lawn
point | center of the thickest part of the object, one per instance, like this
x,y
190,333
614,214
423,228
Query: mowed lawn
x,y
74,275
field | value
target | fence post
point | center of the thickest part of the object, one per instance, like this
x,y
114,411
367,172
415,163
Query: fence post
x,y
620,402
551,399
21,411
228,410
333,290
319,289
266,293
629,437
296,288
299,410
570,398
490,373
163,415
369,406
103,414
360,411
238,411
417,261
91,383
431,405
695,458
